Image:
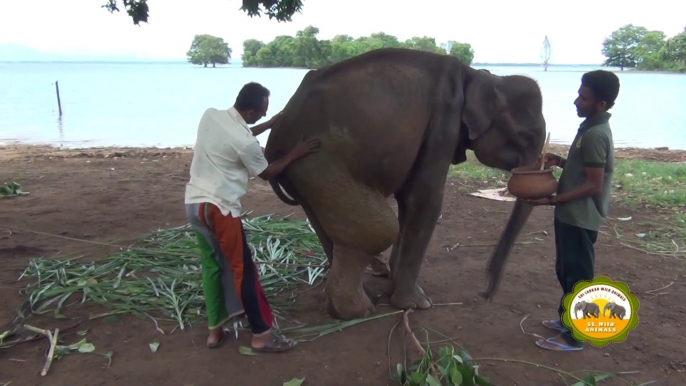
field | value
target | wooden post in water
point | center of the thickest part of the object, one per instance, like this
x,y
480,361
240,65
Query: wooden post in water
x,y
59,103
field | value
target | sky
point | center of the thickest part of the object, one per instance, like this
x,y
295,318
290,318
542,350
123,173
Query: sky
x,y
500,31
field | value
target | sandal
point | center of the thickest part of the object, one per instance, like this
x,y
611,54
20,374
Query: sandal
x,y
276,344
219,343
554,324
550,344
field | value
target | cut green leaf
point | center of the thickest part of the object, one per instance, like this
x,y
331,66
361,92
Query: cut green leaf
x,y
246,351
294,382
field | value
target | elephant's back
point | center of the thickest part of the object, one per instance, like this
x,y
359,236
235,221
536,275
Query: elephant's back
x,y
370,117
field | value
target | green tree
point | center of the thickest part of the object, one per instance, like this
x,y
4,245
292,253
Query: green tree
x,y
620,46
305,50
649,50
462,51
250,49
281,10
423,43
636,47
674,53
206,49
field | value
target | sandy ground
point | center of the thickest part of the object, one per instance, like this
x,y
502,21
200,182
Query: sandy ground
x,y
119,194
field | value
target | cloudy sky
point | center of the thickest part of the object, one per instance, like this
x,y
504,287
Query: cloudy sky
x,y
498,30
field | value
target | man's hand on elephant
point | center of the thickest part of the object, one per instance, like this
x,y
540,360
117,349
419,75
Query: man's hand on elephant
x,y
305,147
275,119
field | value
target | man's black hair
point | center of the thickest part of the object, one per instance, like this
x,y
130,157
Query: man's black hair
x,y
604,84
251,97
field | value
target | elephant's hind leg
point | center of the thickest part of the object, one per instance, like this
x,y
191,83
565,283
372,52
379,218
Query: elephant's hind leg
x,y
360,224
346,296
358,234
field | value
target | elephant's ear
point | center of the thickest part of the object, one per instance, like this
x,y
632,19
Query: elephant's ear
x,y
613,305
483,103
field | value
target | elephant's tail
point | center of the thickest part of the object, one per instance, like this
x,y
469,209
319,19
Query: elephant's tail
x,y
280,193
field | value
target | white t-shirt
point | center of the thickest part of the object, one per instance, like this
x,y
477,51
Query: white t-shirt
x,y
226,154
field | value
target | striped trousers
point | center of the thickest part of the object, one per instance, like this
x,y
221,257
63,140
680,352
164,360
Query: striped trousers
x,y
229,275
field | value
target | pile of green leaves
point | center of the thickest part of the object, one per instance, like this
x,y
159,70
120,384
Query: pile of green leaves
x,y
161,277
450,368
11,189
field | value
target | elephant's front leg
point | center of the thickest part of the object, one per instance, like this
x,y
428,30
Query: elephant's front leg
x,y
421,203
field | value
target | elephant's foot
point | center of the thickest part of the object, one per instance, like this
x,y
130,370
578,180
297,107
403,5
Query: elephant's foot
x,y
349,305
412,298
379,267
346,297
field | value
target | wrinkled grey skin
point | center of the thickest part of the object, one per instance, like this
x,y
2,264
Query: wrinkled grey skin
x,y
587,309
391,122
616,311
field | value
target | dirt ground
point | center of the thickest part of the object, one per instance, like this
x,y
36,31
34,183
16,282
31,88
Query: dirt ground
x,y
120,194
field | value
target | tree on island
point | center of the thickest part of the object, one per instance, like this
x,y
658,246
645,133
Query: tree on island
x,y
304,50
620,47
281,10
546,53
636,47
206,49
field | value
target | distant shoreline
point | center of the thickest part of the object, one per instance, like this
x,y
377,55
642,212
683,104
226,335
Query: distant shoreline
x,y
238,64
13,150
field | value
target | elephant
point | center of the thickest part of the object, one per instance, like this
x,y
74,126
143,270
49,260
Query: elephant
x,y
390,123
587,309
616,311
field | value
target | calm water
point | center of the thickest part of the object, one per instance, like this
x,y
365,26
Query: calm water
x,y
153,104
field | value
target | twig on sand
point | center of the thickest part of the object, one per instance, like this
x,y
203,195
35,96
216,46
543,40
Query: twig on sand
x,y
652,292
415,341
458,245
37,330
52,338
51,353
528,333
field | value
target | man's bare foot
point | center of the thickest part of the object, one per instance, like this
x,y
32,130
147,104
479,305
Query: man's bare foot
x,y
215,337
269,342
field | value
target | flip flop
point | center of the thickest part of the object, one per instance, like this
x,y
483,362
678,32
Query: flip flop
x,y
558,346
553,324
275,344
219,343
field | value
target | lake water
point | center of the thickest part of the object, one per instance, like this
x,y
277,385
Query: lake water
x,y
159,104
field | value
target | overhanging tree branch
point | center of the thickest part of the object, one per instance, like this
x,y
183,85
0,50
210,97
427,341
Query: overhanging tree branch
x,y
281,10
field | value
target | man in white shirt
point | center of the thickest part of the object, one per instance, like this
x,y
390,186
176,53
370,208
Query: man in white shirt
x,y
226,155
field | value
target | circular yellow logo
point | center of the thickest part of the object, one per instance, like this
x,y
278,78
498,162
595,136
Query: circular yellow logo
x,y
600,311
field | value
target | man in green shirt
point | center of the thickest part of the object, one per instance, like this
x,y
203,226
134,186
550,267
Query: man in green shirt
x,y
583,195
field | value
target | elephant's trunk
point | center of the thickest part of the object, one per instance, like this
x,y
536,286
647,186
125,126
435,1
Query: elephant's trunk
x,y
520,213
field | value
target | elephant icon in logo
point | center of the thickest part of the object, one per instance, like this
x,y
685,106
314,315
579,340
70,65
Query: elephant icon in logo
x,y
616,311
587,309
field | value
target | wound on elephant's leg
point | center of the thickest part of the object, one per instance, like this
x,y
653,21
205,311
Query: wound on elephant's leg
x,y
346,296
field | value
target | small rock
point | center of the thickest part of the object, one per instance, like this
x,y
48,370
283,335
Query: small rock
x,y
606,354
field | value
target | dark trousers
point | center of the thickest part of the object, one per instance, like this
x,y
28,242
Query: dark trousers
x,y
574,261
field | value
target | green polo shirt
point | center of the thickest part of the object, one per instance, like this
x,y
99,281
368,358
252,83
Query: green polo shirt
x,y
592,147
